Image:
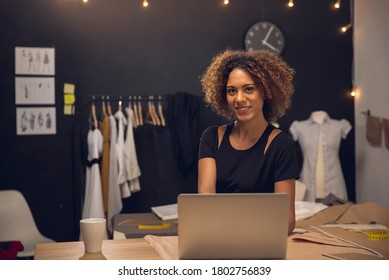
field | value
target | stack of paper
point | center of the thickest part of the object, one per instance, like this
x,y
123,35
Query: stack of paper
x,y
166,212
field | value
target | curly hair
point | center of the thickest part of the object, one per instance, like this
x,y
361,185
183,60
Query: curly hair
x,y
269,72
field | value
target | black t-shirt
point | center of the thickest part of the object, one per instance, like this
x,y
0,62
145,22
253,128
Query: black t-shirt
x,y
250,170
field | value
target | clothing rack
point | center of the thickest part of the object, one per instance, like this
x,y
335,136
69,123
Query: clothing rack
x,y
154,109
130,97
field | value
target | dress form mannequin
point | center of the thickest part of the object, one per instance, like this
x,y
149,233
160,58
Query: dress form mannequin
x,y
320,137
319,116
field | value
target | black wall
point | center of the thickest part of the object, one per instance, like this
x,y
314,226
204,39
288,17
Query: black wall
x,y
118,48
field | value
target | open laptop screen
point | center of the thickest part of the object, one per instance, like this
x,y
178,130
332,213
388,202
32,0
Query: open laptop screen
x,y
233,226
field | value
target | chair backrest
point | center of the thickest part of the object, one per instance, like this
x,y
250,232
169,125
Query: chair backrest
x,y
17,222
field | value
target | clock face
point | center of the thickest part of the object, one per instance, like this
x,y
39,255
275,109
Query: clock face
x,y
264,35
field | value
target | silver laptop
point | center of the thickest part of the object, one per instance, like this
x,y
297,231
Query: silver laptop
x,y
233,226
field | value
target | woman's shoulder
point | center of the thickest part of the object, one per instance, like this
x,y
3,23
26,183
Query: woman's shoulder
x,y
282,137
213,129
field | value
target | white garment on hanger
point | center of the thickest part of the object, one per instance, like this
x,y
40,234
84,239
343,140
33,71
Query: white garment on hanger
x,y
115,204
122,176
93,201
131,160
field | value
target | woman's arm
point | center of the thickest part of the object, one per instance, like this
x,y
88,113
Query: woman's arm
x,y
288,186
207,175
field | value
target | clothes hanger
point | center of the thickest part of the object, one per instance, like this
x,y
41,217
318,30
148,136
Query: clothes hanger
x,y
129,102
93,118
120,105
109,110
160,111
103,108
149,115
158,122
131,112
136,114
140,110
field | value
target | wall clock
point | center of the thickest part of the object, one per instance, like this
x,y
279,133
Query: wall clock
x,y
265,35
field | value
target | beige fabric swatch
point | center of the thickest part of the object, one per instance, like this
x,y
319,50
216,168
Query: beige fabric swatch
x,y
166,246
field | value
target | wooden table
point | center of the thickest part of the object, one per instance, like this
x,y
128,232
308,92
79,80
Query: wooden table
x,y
140,249
129,249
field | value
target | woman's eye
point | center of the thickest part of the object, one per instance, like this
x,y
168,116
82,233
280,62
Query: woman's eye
x,y
249,89
231,91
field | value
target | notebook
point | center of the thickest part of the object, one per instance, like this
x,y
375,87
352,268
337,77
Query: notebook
x,y
233,226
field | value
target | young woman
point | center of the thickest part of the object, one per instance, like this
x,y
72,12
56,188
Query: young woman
x,y
252,89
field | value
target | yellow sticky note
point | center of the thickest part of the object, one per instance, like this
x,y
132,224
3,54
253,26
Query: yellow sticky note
x,y
68,110
68,88
69,99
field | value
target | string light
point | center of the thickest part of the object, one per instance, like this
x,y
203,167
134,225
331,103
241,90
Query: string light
x,y
145,3
226,2
344,29
354,92
337,4
290,3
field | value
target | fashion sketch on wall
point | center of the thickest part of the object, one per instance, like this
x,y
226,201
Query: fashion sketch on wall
x,y
35,121
34,61
31,90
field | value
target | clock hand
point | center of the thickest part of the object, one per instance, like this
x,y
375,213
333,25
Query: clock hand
x,y
267,35
270,46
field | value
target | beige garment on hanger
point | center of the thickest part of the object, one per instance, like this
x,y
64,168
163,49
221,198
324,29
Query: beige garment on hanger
x,y
104,167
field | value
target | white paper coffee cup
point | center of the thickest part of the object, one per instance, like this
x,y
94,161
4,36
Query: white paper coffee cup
x,y
92,233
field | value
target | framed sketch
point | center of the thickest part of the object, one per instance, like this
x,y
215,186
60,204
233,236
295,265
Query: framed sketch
x,y
34,61
34,90
35,121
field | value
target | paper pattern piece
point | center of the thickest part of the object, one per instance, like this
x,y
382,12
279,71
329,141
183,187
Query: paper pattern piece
x,y
33,90
34,61
35,121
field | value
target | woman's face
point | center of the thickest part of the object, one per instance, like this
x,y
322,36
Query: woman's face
x,y
243,96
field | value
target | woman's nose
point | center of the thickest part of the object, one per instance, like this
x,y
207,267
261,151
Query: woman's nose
x,y
240,96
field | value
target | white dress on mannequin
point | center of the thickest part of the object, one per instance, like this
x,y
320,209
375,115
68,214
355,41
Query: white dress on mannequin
x,y
319,138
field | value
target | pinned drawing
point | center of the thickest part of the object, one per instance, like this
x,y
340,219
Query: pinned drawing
x,y
31,90
34,61
36,121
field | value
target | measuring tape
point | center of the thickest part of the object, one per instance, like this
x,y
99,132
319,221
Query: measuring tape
x,y
375,234
158,226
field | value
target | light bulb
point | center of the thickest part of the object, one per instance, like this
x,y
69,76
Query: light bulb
x,y
290,3
343,29
85,1
226,2
337,4
145,3
354,92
